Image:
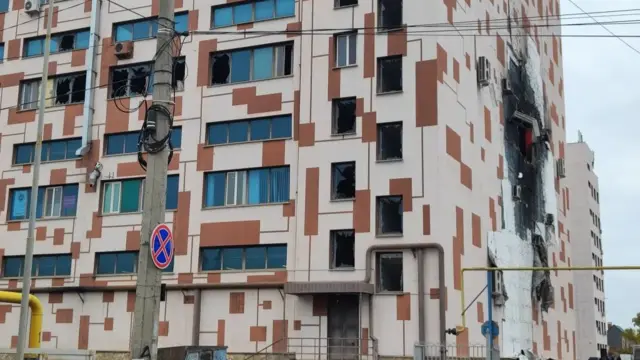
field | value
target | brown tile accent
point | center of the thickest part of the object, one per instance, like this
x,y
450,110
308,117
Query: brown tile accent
x,y
185,278
108,324
14,226
311,201
87,6
13,284
54,20
181,223
458,250
133,240
570,291
280,336
64,316
188,299
193,20
404,188
273,153
258,333
462,340
289,209
453,144
403,307
26,169
213,278
297,325
58,176
500,171
47,131
460,227
163,328
14,342
427,93
116,120
56,298
333,87
230,233
96,227
2,26
546,340
256,104
362,211
500,50
4,183
52,68
10,80
456,71
552,76
205,48
467,59
443,62
487,124
14,50
359,107
4,310
307,135
204,160
296,114
369,66
493,215
466,176
267,304
319,305
555,49
451,5
247,26
480,311
108,296
397,42
276,277
41,233
78,57
46,336
75,250
369,127
476,230
364,342
293,29
426,219
70,114
108,59
131,301
220,333
20,117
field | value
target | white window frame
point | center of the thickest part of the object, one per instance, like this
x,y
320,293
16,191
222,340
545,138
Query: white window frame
x,y
114,202
234,196
350,36
32,89
50,209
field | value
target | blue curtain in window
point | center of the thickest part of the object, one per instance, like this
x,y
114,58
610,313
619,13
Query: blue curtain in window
x,y
214,189
39,203
232,259
57,150
279,186
141,30
241,65
243,13
72,146
238,131
211,260
265,10
255,258
23,154
34,47
281,127
126,262
63,265
130,143
259,186
69,200
223,17
82,40
285,8
130,196
46,266
172,192
263,63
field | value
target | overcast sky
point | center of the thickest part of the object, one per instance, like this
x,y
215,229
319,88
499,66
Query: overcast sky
x,y
602,81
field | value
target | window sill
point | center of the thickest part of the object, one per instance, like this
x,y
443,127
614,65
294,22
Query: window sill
x,y
388,293
227,207
248,142
252,22
65,277
350,66
252,271
115,275
44,219
44,162
129,154
345,7
394,92
213,86
345,135
350,269
144,97
394,235
384,30
386,161
342,200
131,213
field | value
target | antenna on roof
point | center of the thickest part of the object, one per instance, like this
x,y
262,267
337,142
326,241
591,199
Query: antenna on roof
x,y
580,136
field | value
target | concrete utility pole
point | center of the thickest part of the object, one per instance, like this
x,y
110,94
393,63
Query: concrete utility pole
x,y
147,308
28,257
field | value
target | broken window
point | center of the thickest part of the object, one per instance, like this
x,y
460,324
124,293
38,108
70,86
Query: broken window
x,y
343,180
179,71
342,249
344,116
389,215
343,3
345,49
67,89
59,43
390,141
29,92
137,79
389,74
390,272
389,14
261,63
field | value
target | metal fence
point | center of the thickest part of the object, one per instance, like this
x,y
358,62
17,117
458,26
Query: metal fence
x,y
49,354
451,351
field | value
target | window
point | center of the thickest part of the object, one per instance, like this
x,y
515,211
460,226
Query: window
x,y
390,141
127,143
147,28
343,114
346,45
243,258
342,249
389,14
389,74
62,42
255,186
65,89
126,196
390,271
55,150
389,215
43,265
120,262
247,12
4,6
275,127
251,64
344,3
343,180
137,79
29,92
1,50
53,201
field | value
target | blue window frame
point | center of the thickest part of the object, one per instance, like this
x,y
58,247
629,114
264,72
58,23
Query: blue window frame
x,y
120,262
126,196
250,64
146,28
263,257
127,143
275,127
246,12
43,265
242,187
61,42
53,202
54,150
1,52
4,6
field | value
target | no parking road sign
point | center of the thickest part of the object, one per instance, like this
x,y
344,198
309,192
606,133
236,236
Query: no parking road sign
x,y
161,246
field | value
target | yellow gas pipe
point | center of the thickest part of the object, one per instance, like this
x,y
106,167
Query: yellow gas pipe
x,y
36,315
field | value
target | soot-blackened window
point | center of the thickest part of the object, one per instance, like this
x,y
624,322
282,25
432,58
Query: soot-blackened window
x,y
390,272
390,141
344,116
343,180
389,215
342,249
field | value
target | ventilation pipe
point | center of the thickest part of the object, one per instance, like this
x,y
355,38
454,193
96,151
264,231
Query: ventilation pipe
x,y
89,90
36,315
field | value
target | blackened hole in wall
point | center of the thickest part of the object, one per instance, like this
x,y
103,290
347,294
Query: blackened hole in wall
x,y
542,289
220,70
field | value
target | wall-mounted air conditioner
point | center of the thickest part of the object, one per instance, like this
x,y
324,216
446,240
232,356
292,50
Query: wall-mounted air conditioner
x,y
124,50
32,7
484,71
560,168
516,192
506,86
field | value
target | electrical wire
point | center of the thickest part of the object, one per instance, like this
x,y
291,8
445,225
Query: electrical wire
x,y
41,17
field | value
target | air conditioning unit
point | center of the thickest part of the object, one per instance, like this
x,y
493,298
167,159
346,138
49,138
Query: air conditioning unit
x,y
549,220
560,168
506,86
124,50
498,289
32,7
484,71
516,192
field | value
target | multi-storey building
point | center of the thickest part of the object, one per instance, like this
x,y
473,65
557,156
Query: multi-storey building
x,y
584,220
336,165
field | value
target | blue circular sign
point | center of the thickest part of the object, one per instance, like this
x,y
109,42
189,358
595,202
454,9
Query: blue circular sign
x,y
162,246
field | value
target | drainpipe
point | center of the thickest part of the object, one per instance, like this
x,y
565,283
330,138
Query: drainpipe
x,y
36,314
197,312
421,292
89,92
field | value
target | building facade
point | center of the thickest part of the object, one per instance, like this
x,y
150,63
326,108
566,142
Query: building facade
x,y
333,163
584,219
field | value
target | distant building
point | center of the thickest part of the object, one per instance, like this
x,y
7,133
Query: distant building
x,y
616,339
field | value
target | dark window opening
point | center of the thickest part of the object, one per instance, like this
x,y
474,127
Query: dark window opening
x,y
67,42
389,14
390,141
390,272
389,74
344,116
179,71
343,181
221,69
389,215
343,3
342,249
69,89
140,79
